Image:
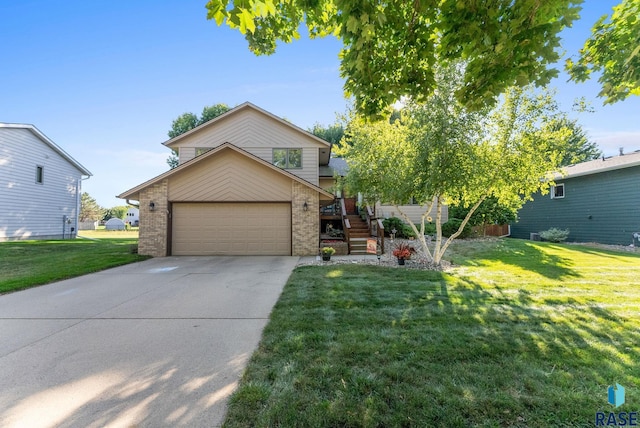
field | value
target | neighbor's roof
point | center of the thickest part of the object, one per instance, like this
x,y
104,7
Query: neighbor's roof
x,y
336,166
35,131
602,165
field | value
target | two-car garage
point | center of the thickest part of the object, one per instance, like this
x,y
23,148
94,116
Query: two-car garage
x,y
231,228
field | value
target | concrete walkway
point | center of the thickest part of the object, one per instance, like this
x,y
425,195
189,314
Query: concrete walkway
x,y
153,344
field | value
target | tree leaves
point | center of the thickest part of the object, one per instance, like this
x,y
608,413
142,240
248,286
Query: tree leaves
x,y
390,48
440,152
614,50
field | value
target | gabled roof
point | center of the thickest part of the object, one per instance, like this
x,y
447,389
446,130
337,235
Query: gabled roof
x,y
245,106
131,193
602,164
35,131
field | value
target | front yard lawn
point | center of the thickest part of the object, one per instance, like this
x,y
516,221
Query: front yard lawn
x,y
518,334
25,264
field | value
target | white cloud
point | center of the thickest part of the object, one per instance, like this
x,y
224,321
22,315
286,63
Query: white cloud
x,y
610,142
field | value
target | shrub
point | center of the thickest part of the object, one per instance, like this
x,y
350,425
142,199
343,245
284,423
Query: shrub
x,y
328,251
403,230
554,234
393,223
452,226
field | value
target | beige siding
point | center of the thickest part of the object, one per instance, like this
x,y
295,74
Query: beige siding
x,y
328,184
213,229
414,212
229,176
258,134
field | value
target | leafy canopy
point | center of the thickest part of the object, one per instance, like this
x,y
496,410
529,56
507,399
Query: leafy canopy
x,y
391,48
614,50
441,153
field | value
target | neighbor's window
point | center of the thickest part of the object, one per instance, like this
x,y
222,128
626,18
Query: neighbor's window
x,y
557,191
287,158
39,174
202,150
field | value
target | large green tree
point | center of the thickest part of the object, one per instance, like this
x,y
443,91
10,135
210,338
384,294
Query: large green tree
x,y
187,121
332,133
613,50
390,48
90,210
441,153
579,147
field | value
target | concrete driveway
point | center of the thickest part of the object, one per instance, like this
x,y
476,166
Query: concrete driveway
x,y
157,343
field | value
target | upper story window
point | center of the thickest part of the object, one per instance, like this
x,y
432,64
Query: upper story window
x,y
557,191
39,174
202,150
287,158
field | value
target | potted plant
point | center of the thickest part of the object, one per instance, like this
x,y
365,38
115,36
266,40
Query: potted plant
x,y
402,252
327,252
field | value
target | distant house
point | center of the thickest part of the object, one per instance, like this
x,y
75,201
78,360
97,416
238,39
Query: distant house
x,y
598,201
133,217
41,186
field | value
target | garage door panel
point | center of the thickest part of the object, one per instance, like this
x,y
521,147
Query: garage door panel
x,y
231,229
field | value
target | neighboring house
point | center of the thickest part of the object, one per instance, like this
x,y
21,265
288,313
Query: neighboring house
x,y
413,211
598,201
133,217
247,183
41,186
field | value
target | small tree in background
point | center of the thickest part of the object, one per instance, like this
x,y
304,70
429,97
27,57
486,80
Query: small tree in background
x,y
187,121
332,133
116,212
90,210
579,148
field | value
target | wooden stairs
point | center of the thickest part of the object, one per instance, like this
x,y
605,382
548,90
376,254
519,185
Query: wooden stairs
x,y
358,235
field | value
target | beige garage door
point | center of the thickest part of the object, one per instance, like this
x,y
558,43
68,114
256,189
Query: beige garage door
x,y
231,229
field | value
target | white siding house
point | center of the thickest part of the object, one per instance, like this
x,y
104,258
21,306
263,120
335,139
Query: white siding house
x,y
40,186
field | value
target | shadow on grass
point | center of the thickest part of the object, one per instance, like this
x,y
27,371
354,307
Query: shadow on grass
x,y
369,346
529,256
510,359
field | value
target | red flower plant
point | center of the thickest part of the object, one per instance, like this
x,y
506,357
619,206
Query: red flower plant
x,y
403,251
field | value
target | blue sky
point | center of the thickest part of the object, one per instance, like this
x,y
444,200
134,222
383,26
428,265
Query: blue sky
x,y
104,80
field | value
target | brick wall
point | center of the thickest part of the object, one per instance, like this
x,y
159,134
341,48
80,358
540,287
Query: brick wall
x,y
154,224
305,225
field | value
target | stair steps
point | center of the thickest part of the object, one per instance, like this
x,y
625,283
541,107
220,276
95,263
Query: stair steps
x,y
358,235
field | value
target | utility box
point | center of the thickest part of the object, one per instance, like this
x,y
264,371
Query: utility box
x,y
534,236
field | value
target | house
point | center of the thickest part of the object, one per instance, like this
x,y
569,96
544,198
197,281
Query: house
x,y
247,183
41,186
133,217
598,201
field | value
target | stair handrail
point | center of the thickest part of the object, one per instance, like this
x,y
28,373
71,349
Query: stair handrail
x,y
346,225
376,228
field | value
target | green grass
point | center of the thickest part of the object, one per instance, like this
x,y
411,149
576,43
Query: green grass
x,y
102,233
518,334
25,264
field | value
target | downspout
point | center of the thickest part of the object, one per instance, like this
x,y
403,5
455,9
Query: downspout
x,y
78,204
508,232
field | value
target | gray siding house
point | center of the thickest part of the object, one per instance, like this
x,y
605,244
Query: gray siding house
x,y
41,186
598,201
